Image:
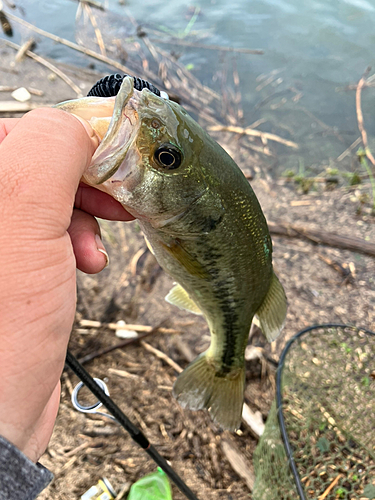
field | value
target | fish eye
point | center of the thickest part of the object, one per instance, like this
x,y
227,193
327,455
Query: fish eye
x,y
168,156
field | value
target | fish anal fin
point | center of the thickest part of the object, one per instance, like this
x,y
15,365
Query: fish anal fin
x,y
271,314
180,298
200,386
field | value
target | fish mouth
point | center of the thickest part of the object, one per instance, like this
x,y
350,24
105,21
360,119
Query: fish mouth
x,y
116,122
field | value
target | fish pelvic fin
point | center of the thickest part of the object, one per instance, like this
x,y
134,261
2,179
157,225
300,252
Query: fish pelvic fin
x,y
179,297
271,314
201,386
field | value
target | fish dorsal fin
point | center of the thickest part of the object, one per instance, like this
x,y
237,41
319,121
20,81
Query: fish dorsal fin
x,y
272,312
180,298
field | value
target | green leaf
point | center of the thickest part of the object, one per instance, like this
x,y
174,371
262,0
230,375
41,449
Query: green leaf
x,y
369,492
323,444
365,381
341,492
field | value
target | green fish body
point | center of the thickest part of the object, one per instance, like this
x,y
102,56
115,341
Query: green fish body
x,y
204,224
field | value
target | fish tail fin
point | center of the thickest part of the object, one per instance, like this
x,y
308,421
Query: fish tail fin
x,y
201,386
272,312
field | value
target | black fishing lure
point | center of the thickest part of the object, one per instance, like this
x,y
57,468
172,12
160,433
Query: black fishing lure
x,y
110,85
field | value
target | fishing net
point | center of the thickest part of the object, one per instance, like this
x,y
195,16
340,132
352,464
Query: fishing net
x,y
320,444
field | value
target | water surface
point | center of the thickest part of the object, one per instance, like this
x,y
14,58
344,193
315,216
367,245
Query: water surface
x,y
312,49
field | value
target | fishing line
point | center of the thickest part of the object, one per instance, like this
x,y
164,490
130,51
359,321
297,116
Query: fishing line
x,y
135,433
279,398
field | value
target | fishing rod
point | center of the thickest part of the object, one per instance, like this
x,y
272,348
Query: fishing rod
x,y
135,433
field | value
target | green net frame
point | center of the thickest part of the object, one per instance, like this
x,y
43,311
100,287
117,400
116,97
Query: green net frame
x,y
319,440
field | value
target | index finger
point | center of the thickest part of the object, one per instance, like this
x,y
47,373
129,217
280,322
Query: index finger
x,y
6,126
42,161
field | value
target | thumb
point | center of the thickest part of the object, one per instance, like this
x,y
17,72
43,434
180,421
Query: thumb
x,y
42,161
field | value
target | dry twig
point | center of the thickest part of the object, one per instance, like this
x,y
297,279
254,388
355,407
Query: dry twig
x,y
253,419
324,126
63,41
98,5
17,107
254,133
343,270
349,149
97,31
28,45
221,48
330,487
87,323
124,343
162,355
48,65
123,373
238,463
360,116
121,494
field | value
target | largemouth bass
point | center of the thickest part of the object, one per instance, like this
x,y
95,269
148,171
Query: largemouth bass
x,y
204,224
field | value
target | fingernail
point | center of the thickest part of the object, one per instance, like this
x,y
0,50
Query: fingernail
x,y
101,249
90,131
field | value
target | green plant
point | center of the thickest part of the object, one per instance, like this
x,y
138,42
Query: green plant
x,y
341,492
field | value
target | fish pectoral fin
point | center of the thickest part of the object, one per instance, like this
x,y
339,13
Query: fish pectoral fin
x,y
180,298
201,386
149,245
192,265
271,314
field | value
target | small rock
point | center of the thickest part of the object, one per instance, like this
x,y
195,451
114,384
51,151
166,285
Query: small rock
x,y
21,94
123,333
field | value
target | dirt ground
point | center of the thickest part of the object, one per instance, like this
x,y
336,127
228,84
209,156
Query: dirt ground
x,y
86,448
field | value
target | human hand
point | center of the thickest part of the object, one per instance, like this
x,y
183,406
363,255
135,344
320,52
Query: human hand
x,y
42,158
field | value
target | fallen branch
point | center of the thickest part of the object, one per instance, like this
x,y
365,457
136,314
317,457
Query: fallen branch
x,y
323,237
254,133
360,116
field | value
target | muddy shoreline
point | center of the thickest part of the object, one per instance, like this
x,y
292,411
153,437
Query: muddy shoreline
x,y
132,288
